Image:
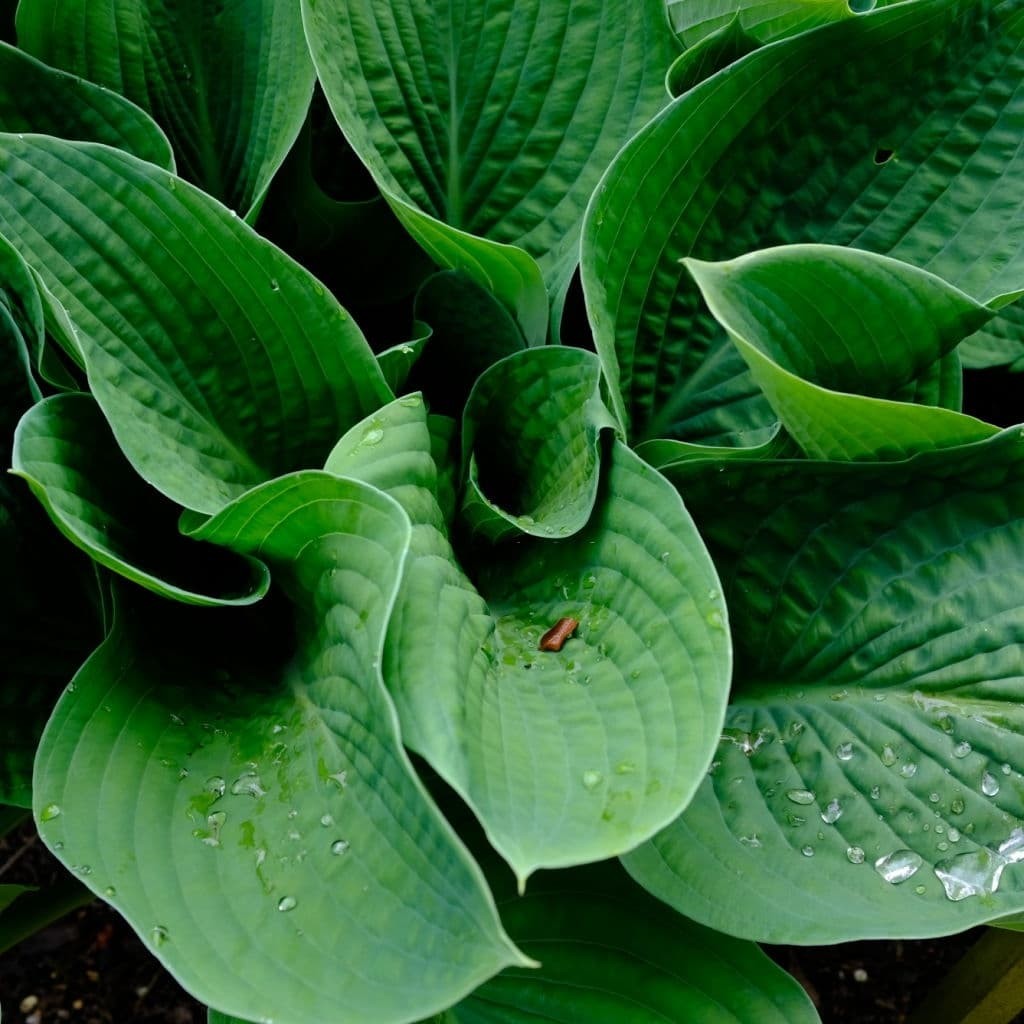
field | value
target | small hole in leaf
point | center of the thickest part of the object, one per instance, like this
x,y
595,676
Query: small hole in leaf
x,y
883,155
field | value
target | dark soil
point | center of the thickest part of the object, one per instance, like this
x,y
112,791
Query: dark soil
x,y
90,968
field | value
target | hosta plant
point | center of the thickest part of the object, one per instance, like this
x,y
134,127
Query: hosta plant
x,y
306,375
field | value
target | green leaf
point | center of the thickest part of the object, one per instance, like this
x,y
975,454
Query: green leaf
x,y
872,132
234,783
531,443
762,20
610,954
565,756
38,98
494,121
64,450
218,361
229,83
809,319
875,720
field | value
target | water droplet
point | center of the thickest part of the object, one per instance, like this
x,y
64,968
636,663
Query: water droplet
x,y
274,285
340,779
795,820
373,436
110,892
962,749
214,822
664,557
248,784
841,695
989,784
876,792
410,401
908,770
592,779
216,785
833,812
971,874
956,805
899,865
158,935
748,742
326,820
920,889
1005,769
339,846
49,812
714,619
954,835
800,796
855,855
177,719
625,768
888,756
286,903
807,851
844,751
934,798
753,840
82,869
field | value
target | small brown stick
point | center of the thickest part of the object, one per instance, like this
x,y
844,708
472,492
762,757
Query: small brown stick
x,y
553,639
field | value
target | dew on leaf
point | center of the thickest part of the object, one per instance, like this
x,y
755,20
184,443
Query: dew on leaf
x,y
753,840
800,796
49,812
956,805
833,812
898,866
592,779
888,756
286,903
248,784
962,749
807,851
908,770
844,751
158,935
989,784
339,846
855,855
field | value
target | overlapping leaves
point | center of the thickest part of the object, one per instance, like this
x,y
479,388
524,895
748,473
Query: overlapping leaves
x,y
234,779
889,131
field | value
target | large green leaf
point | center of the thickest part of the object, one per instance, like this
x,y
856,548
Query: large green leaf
x,y
811,319
890,131
565,756
217,360
65,451
492,120
234,783
609,954
37,98
875,737
230,83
